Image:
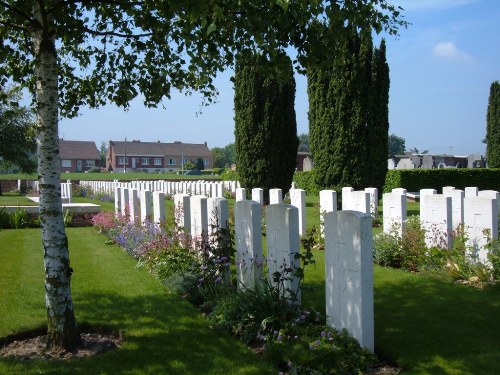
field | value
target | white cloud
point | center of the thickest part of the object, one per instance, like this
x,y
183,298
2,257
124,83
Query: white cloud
x,y
448,50
431,4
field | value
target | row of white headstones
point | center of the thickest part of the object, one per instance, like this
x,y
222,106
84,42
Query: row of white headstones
x,y
441,215
348,243
348,233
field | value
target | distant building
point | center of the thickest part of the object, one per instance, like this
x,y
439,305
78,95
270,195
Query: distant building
x,y
430,161
155,156
78,156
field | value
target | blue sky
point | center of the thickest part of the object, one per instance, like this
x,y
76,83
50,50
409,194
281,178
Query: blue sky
x,y
441,69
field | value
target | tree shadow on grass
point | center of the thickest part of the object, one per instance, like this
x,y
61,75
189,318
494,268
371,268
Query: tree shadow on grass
x,y
162,335
427,325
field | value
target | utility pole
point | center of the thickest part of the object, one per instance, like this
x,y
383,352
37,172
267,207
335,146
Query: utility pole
x,y
125,158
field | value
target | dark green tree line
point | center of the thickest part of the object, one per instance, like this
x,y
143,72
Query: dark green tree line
x,y
265,124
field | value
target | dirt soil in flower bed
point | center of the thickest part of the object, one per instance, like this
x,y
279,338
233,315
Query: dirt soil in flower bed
x,y
34,347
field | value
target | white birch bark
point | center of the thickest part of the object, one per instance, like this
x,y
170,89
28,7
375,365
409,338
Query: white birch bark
x,y
62,331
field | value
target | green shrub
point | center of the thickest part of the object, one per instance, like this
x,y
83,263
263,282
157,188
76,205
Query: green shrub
x,y
494,258
4,218
230,175
416,179
19,219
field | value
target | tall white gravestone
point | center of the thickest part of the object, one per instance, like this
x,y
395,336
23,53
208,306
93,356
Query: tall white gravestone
x,y
283,243
248,238
436,218
349,274
480,217
298,199
394,212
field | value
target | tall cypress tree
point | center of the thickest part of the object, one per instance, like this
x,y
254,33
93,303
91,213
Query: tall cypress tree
x,y
378,119
348,115
265,124
493,126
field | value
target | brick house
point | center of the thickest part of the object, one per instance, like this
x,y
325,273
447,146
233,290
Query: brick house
x,y
78,156
155,156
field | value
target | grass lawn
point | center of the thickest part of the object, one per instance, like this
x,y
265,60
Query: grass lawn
x,y
14,199
163,333
423,323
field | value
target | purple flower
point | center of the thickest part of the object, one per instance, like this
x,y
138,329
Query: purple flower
x,y
218,280
323,334
280,338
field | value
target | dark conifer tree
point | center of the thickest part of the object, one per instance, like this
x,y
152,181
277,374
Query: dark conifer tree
x,y
493,126
348,116
378,119
265,124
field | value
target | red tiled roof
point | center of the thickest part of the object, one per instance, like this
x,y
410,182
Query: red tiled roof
x,y
85,150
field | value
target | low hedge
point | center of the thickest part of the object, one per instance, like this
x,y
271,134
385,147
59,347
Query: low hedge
x,y
416,179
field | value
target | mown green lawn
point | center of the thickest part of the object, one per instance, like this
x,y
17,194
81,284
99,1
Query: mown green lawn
x,y
14,199
163,334
423,322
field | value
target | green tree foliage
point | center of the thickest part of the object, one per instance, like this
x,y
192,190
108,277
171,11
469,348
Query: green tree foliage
x,y
103,151
265,123
224,156
348,114
493,127
304,142
71,54
396,145
17,133
199,164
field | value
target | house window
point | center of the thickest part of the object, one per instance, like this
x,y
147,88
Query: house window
x,y
66,163
145,161
89,163
205,162
121,160
171,161
157,161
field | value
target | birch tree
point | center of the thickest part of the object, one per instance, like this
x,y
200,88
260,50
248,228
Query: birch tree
x,y
76,53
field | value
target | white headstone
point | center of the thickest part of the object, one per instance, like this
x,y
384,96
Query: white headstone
x,y
159,207
283,243
457,206
471,191
298,199
275,196
124,209
356,201
436,218
199,219
146,202
373,201
490,194
258,195
248,239
327,203
400,191
480,217
349,274
118,200
133,200
241,194
218,213
394,212
182,211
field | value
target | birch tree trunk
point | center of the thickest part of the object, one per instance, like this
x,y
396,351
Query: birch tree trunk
x,y
62,331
